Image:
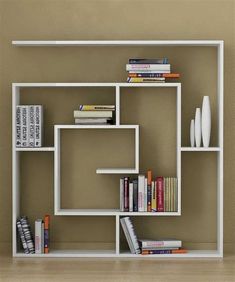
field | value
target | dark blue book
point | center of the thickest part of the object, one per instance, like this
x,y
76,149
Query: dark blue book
x,y
135,195
149,61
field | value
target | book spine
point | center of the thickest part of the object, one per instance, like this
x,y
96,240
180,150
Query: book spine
x,y
160,195
31,127
153,197
133,237
135,195
131,197
156,67
39,237
96,108
148,61
46,233
176,194
141,180
25,126
145,194
18,126
127,235
149,190
155,252
126,194
122,194
27,234
38,125
22,238
165,75
150,71
145,79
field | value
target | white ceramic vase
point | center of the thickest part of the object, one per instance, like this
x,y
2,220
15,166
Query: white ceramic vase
x,y
206,121
198,132
192,133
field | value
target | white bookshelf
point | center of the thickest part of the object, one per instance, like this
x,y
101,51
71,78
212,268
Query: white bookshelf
x,y
118,86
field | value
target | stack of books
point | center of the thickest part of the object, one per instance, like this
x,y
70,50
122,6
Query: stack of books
x,y
149,247
149,70
147,195
40,243
94,114
29,126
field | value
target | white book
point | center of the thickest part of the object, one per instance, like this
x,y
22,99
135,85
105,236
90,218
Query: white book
x,y
39,236
145,194
132,234
127,235
131,197
38,110
25,126
122,194
91,120
92,114
31,126
153,67
149,71
18,126
141,184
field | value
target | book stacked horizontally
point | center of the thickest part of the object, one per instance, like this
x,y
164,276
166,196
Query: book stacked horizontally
x,y
149,70
94,114
152,247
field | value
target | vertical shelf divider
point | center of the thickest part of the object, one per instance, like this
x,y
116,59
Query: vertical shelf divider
x,y
117,106
117,234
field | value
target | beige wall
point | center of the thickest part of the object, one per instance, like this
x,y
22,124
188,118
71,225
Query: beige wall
x,y
37,20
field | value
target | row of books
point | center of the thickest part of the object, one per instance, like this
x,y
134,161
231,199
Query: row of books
x,y
149,247
149,70
94,114
29,125
39,243
147,195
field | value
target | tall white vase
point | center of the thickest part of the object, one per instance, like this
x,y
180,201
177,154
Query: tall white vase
x,y
192,133
198,132
206,121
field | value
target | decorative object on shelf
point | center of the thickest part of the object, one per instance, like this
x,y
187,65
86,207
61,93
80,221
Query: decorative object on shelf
x,y
206,121
198,133
192,133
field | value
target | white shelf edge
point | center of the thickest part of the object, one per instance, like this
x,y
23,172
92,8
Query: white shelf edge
x,y
200,149
116,43
35,149
75,126
117,171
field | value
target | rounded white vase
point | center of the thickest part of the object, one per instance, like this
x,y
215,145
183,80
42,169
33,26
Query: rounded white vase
x,y
197,125
206,121
192,135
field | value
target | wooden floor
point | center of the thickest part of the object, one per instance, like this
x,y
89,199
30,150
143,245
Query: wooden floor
x,y
121,270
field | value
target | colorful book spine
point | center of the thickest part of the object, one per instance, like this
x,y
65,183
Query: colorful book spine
x,y
38,109
153,67
39,236
153,197
96,108
18,126
126,194
24,126
46,233
122,194
141,181
149,190
27,234
22,237
160,194
161,252
165,75
135,195
145,79
131,197
31,126
150,71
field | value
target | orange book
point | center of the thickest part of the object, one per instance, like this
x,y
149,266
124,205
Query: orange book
x,y
166,75
149,190
46,233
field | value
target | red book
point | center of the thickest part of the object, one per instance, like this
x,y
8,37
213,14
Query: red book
x,y
160,194
126,194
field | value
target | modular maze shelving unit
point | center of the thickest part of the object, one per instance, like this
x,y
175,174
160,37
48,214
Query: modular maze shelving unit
x,y
16,87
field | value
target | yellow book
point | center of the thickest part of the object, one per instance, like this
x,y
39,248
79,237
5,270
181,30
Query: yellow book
x,y
154,197
96,107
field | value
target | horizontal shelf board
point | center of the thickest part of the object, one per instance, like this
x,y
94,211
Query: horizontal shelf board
x,y
200,149
35,149
96,84
111,212
116,171
117,42
111,253
75,126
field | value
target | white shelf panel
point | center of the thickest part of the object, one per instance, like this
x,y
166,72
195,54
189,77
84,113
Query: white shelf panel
x,y
35,149
111,212
117,171
111,253
200,149
58,43
75,126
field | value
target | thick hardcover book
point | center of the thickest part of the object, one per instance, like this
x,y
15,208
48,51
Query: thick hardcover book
x,y
31,126
122,194
27,234
145,194
141,181
149,61
96,107
93,114
126,194
160,194
46,233
153,67
161,252
169,243
149,190
135,195
18,126
25,126
130,235
38,110
153,197
165,75
131,197
145,79
39,236
127,235
22,237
